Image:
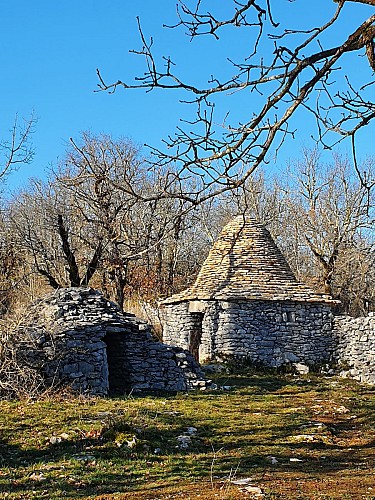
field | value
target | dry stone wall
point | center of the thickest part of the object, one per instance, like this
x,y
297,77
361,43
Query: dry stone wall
x,y
276,333
76,337
355,346
270,333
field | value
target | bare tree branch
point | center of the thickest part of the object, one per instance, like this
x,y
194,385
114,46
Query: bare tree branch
x,y
368,2
302,75
17,149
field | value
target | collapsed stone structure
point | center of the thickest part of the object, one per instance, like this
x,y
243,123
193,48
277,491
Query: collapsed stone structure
x,y
76,337
246,303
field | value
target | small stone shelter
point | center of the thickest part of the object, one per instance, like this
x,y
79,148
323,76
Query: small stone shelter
x,y
246,303
75,337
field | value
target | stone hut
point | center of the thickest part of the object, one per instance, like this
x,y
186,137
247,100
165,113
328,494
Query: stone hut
x,y
246,303
76,337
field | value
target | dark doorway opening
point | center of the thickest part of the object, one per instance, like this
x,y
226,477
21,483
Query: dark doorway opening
x,y
196,334
118,374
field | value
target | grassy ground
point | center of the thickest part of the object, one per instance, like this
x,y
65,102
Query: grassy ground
x,y
290,437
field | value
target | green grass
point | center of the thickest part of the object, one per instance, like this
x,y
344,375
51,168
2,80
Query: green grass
x,y
78,448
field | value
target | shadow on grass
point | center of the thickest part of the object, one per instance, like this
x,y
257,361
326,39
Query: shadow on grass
x,y
263,384
85,479
104,464
92,466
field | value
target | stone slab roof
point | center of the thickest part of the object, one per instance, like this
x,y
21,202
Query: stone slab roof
x,y
245,263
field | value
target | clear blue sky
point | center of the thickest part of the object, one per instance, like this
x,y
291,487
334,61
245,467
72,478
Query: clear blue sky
x,y
49,52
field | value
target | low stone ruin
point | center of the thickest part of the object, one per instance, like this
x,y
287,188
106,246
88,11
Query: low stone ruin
x,y
76,337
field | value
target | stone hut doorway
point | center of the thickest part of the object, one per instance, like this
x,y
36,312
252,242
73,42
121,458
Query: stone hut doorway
x,y
196,335
196,310
118,378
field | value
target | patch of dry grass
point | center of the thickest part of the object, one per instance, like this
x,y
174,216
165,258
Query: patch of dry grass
x,y
295,438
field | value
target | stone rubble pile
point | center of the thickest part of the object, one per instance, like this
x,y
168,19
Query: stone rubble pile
x,y
76,337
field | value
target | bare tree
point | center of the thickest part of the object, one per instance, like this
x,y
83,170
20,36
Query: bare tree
x,y
38,218
299,70
98,218
9,263
114,189
14,151
354,277
17,149
331,216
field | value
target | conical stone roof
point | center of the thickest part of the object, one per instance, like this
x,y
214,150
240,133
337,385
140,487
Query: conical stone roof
x,y
245,263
